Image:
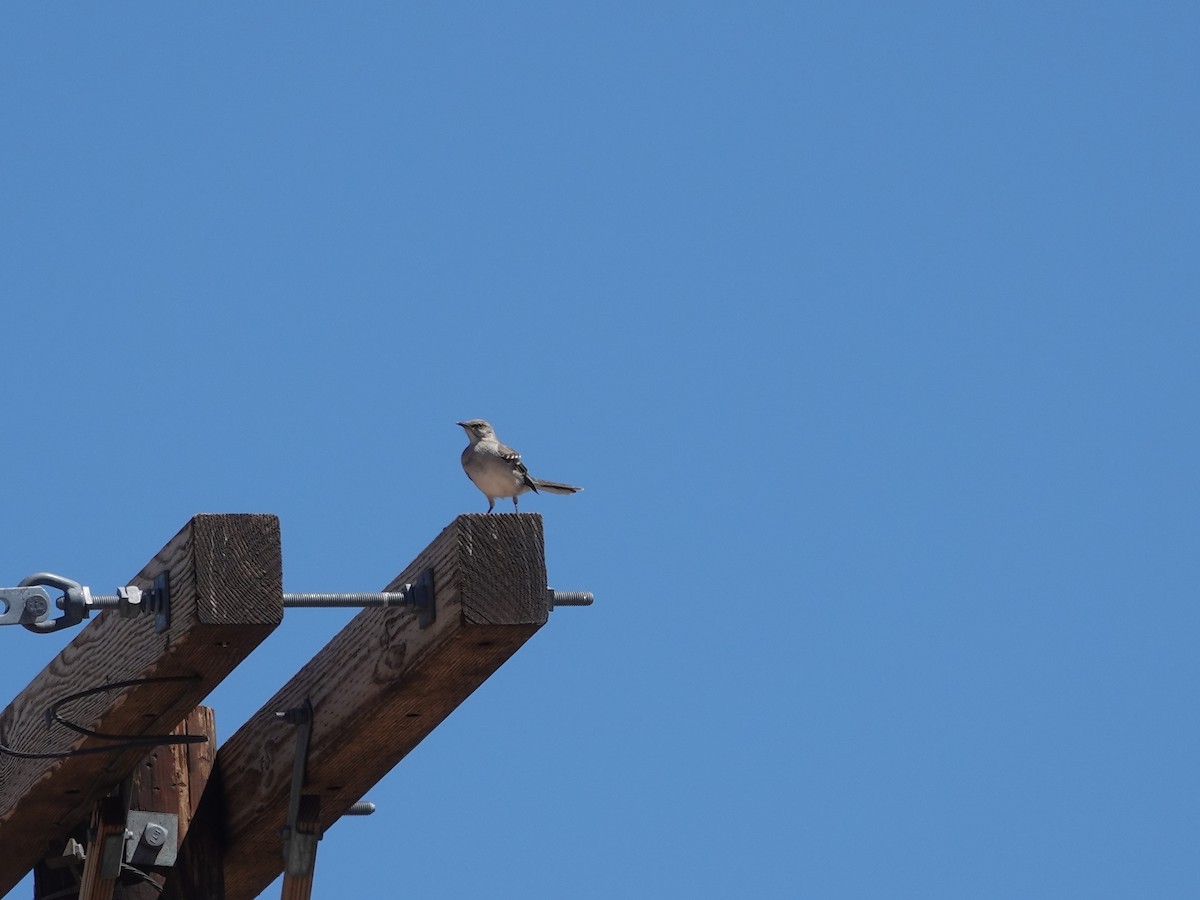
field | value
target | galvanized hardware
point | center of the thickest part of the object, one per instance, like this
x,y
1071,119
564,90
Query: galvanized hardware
x,y
24,605
131,601
29,604
111,855
393,598
74,602
570,598
151,838
73,855
361,808
300,845
418,596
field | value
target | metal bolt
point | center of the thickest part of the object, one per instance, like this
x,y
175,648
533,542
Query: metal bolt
x,y
154,835
570,598
361,808
297,715
105,601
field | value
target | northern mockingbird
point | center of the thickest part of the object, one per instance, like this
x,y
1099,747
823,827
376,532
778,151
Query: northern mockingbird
x,y
497,469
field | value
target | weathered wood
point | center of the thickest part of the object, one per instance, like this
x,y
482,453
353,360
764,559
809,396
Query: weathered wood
x,y
308,823
381,685
198,873
108,837
191,766
226,582
171,779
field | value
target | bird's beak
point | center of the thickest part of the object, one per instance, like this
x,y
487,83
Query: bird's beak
x,y
461,424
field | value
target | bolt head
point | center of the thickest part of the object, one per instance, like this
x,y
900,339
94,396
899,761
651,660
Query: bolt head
x,y
154,835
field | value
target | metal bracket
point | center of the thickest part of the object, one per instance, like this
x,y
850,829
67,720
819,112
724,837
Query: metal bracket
x,y
159,601
303,828
151,838
72,856
421,592
110,856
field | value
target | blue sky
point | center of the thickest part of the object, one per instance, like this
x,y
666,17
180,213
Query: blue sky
x,y
871,330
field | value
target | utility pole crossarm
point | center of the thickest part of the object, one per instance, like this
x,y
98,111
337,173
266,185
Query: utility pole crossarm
x,y
226,586
377,689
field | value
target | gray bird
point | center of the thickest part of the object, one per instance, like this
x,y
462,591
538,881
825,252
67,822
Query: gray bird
x,y
497,469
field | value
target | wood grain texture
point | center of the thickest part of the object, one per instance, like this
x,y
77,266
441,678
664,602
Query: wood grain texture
x,y
226,580
198,873
171,779
108,826
509,553
308,822
381,685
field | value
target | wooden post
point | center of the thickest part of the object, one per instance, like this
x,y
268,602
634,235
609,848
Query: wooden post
x,y
171,780
200,874
377,689
103,863
308,824
226,584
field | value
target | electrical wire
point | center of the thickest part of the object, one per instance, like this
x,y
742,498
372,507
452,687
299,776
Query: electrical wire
x,y
123,741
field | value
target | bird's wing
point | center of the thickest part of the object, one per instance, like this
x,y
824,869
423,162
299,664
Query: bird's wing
x,y
508,452
518,467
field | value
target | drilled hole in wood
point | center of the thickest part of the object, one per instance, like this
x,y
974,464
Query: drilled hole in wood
x,y
411,715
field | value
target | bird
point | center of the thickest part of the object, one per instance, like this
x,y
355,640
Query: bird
x,y
497,470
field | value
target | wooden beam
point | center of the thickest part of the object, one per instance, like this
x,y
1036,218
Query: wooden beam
x,y
380,686
226,584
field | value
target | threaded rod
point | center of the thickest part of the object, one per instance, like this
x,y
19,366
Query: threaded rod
x,y
346,599
572,598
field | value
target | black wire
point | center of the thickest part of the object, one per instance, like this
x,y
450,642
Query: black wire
x,y
142,876
124,741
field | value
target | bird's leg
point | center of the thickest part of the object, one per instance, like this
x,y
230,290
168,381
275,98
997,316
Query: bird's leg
x,y
515,505
491,503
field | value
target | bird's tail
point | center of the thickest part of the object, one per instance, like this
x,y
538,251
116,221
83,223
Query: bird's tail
x,y
555,487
